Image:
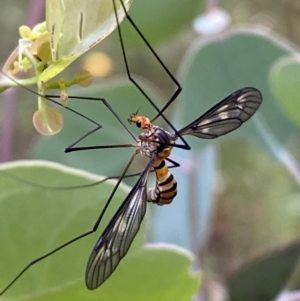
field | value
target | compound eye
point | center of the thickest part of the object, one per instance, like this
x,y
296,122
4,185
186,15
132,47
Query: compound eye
x,y
138,123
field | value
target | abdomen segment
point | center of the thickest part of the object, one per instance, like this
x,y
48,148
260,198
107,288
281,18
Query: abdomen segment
x,y
165,189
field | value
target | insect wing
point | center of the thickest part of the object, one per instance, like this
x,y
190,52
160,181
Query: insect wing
x,y
116,239
226,116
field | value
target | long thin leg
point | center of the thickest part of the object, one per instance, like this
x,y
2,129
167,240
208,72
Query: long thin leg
x,y
104,101
178,90
93,147
19,179
94,229
75,149
98,126
175,164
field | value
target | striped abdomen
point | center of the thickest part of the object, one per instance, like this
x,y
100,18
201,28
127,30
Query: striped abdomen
x,y
165,189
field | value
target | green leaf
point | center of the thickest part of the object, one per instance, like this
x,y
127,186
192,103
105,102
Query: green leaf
x,y
214,68
35,220
284,82
146,275
76,26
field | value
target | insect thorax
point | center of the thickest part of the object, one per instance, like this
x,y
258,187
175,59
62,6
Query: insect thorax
x,y
156,140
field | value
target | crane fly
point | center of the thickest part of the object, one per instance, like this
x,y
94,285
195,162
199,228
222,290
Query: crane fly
x,y
156,144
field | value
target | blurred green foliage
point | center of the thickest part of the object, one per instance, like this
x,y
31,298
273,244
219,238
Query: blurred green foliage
x,y
149,271
252,204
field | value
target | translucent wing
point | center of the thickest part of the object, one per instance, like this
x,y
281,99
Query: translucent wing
x,y
226,116
116,239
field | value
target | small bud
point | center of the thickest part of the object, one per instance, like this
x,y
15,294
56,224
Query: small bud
x,y
63,92
26,33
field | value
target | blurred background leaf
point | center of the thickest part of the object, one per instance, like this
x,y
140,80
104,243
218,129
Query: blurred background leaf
x,y
259,276
61,276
